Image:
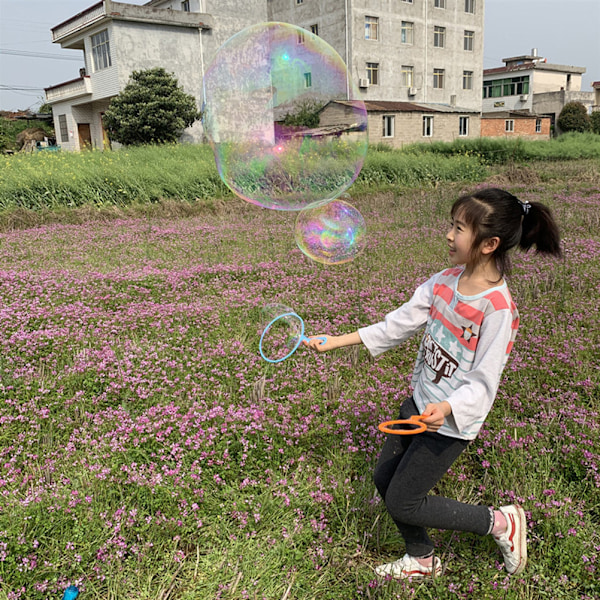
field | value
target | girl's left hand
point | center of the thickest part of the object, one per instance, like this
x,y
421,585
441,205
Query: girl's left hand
x,y
436,415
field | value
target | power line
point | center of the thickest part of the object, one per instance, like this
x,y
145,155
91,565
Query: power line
x,y
20,88
39,55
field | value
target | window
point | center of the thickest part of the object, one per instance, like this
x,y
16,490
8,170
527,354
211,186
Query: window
x,y
388,126
439,4
470,6
371,28
438,79
463,125
314,29
300,38
408,75
185,6
427,126
406,32
373,73
408,1
101,51
64,132
439,37
538,126
512,86
467,80
509,125
299,1
307,80
468,40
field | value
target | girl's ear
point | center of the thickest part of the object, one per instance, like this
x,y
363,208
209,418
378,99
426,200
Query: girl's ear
x,y
489,245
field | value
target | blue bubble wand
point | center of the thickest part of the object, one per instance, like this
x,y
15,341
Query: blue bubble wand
x,y
283,334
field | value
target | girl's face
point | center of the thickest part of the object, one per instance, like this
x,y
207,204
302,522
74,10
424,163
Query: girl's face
x,y
460,241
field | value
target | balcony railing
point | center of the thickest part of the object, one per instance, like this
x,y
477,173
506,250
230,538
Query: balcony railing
x,y
69,90
80,20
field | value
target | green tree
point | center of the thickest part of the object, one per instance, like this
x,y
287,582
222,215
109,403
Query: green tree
x,y
150,109
573,117
595,121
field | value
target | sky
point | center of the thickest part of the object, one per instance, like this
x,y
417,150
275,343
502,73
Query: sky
x,y
564,32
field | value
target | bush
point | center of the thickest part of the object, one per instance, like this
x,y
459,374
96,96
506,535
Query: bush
x,y
574,117
151,109
595,121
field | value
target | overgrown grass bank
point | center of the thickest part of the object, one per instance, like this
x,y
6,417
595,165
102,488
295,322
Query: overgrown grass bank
x,y
153,174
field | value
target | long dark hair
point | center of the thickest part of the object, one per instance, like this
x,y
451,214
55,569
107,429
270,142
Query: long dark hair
x,y
493,212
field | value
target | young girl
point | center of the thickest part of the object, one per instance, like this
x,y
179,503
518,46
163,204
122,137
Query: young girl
x,y
470,324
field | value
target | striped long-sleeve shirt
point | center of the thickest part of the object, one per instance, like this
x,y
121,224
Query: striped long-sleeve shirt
x,y
463,351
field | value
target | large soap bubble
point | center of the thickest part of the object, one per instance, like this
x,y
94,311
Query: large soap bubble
x,y
282,115
334,233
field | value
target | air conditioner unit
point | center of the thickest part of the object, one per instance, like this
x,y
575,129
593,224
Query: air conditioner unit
x,y
363,83
412,91
523,97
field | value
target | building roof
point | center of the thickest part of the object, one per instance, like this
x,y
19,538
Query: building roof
x,y
391,106
511,114
538,66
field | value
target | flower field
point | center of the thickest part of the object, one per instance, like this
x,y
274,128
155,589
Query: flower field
x,y
148,452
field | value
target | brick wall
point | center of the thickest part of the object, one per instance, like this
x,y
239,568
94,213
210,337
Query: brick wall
x,y
523,127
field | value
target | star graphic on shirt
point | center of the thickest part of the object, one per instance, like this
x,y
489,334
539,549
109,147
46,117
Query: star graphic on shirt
x,y
468,333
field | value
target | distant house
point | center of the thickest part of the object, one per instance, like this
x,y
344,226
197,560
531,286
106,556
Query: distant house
x,y
118,38
399,123
516,123
529,83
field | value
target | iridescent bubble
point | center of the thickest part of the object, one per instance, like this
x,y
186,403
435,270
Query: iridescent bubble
x,y
283,117
333,233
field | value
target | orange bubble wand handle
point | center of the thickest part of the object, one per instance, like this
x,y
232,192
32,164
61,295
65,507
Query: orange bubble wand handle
x,y
416,420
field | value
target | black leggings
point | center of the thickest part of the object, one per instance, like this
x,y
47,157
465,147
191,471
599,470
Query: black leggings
x,y
408,468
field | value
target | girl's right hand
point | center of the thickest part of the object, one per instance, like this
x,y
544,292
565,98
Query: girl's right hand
x,y
317,343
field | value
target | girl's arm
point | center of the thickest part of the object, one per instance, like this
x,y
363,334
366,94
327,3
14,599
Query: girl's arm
x,y
333,341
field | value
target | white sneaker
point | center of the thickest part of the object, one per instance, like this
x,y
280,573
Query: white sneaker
x,y
409,567
513,542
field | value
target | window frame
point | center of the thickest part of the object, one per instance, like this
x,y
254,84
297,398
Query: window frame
x,y
370,27
63,128
314,29
307,80
372,71
389,126
439,4
439,36
470,7
407,74
438,78
509,125
538,125
101,58
463,126
468,40
467,80
407,30
427,125
185,5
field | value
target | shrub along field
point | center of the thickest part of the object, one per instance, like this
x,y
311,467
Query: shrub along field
x,y
147,451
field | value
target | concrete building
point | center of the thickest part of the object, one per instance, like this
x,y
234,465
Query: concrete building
x,y
425,51
118,38
530,84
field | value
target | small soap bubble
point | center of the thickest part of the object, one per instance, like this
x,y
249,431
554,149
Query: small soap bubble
x,y
283,117
333,233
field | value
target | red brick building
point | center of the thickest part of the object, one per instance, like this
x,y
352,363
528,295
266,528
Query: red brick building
x,y
515,124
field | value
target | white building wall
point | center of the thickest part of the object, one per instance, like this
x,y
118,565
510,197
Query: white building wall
x,y
342,25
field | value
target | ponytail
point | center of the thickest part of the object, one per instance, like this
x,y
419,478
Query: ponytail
x,y
539,229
